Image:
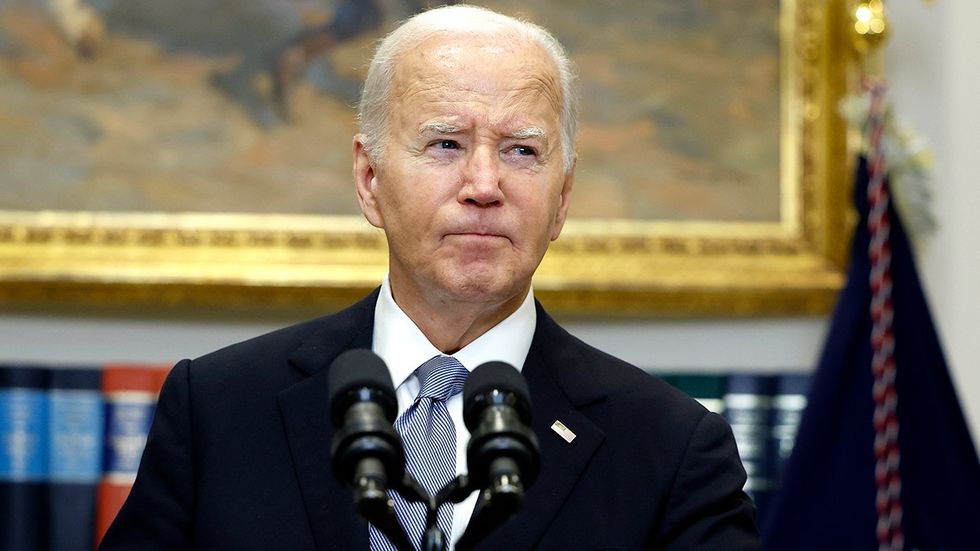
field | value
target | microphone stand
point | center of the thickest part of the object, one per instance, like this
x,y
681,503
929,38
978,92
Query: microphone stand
x,y
455,491
501,500
374,505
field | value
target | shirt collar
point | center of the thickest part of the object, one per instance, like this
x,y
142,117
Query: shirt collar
x,y
403,347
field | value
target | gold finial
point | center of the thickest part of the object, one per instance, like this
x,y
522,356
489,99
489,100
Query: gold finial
x,y
870,25
871,29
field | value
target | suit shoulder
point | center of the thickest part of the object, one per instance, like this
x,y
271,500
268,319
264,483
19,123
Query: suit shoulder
x,y
264,355
589,371
286,338
622,380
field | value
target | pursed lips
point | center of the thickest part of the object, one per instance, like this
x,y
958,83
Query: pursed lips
x,y
477,234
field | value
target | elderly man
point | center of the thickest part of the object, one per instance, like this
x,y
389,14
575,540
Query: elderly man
x,y
466,161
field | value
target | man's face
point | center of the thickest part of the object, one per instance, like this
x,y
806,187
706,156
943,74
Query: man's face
x,y
471,189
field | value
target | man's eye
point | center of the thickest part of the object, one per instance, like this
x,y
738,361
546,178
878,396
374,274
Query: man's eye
x,y
525,150
447,144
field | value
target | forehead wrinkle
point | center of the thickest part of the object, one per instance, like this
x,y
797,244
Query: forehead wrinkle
x,y
428,78
547,86
535,70
404,90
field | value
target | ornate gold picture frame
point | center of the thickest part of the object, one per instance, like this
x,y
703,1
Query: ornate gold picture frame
x,y
791,264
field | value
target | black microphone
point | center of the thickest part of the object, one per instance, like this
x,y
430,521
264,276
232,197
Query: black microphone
x,y
366,452
502,455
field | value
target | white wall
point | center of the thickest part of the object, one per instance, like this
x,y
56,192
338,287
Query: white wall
x,y
935,85
67,339
934,72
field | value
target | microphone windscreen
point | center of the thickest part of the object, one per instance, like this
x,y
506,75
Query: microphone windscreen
x,y
356,369
495,376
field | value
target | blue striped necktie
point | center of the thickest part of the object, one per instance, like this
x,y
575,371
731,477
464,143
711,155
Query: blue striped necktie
x,y
430,447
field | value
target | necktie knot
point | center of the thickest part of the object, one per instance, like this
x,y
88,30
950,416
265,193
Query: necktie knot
x,y
441,377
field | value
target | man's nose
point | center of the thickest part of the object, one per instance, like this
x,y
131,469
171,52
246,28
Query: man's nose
x,y
481,177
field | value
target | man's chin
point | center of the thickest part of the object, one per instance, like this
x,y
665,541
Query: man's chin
x,y
483,287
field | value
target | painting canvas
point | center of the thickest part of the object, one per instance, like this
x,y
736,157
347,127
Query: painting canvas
x,y
171,106
191,138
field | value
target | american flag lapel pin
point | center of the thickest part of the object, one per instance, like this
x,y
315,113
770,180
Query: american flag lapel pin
x,y
561,430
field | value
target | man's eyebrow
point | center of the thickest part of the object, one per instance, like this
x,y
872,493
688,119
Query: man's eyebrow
x,y
438,127
528,133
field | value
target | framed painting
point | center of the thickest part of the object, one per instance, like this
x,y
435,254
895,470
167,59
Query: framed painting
x,y
199,152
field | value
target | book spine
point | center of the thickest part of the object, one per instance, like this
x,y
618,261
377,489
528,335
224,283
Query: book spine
x,y
748,406
75,430
707,388
23,457
130,394
789,401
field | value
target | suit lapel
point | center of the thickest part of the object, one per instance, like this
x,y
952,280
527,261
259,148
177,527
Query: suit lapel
x,y
559,390
306,421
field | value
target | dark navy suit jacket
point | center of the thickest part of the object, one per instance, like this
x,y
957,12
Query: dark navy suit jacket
x,y
238,456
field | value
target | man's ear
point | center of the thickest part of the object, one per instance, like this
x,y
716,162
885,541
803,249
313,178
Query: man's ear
x,y
564,198
366,183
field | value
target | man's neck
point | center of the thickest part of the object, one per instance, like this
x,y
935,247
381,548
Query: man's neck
x,y
452,324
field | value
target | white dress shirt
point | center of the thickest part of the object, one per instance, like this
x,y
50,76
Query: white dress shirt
x,y
404,348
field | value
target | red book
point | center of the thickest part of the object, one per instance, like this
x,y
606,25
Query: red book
x,y
130,392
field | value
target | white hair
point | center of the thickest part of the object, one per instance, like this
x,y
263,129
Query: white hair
x,y
373,109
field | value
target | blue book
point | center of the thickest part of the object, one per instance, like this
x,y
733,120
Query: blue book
x,y
788,403
76,420
748,409
23,458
